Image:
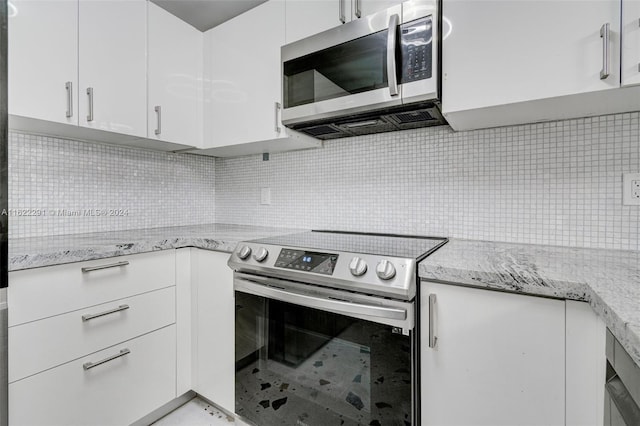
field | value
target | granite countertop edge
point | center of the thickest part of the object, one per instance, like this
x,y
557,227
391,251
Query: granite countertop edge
x,y
609,280
34,253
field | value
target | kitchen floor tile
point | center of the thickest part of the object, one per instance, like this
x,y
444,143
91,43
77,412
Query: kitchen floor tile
x,y
198,413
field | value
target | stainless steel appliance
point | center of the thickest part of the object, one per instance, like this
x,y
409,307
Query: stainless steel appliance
x,y
622,389
375,74
4,221
326,328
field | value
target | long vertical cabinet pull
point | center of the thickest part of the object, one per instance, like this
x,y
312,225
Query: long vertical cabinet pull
x,y
277,122
605,35
432,316
341,14
358,9
158,110
638,62
69,86
90,95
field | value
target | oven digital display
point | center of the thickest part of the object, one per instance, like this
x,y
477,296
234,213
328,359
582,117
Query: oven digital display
x,y
308,261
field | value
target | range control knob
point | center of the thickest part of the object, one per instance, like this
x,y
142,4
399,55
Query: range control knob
x,y
244,252
385,270
261,254
357,266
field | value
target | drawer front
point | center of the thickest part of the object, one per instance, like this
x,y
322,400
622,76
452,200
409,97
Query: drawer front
x,y
44,292
39,345
117,392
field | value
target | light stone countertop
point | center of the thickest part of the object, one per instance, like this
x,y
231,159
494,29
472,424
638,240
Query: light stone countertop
x,y
28,253
608,279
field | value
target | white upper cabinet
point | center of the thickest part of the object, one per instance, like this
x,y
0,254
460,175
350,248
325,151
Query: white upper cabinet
x,y
308,17
630,42
243,85
498,52
362,8
43,59
525,61
175,79
113,65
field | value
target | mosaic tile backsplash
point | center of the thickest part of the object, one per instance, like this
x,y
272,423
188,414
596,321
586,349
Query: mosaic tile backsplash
x,y
59,186
557,183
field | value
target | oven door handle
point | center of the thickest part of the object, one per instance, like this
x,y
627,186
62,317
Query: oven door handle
x,y
333,305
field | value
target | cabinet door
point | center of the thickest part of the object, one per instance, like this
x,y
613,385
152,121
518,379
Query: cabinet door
x,y
498,359
308,17
117,392
368,7
630,42
497,52
214,375
175,79
112,52
244,78
43,58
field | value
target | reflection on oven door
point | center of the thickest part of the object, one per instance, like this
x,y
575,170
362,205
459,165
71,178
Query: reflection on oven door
x,y
302,366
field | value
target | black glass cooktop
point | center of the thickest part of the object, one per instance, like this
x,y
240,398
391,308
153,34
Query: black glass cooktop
x,y
411,247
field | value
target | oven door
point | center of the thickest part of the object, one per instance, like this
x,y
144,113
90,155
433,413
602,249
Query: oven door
x,y
322,357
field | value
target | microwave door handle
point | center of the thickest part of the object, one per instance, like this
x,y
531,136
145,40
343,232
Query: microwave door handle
x,y
392,42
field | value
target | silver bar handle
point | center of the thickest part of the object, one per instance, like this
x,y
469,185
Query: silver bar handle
x,y
341,14
69,86
392,78
338,306
101,314
90,95
158,110
432,329
638,62
90,365
605,35
111,265
277,123
358,9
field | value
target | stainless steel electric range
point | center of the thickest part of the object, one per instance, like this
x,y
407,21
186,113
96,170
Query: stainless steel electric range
x,y
326,328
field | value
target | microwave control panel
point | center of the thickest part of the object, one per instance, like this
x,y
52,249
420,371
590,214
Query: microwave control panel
x,y
416,40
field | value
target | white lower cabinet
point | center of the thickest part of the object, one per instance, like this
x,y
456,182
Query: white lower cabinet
x,y
214,371
117,392
499,358
92,342
586,365
75,334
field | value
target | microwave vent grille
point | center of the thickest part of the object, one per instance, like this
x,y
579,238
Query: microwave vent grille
x,y
413,117
323,130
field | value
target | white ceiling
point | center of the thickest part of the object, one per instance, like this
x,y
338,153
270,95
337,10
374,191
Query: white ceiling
x,y
206,14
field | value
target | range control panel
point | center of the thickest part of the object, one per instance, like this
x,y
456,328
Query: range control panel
x,y
416,43
309,261
392,277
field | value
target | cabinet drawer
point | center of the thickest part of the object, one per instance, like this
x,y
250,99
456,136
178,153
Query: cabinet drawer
x,y
39,345
117,392
44,292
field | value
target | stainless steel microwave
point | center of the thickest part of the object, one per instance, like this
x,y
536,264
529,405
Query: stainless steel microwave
x,y
375,74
